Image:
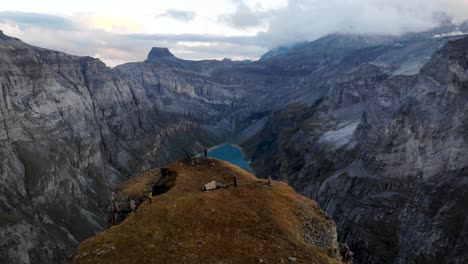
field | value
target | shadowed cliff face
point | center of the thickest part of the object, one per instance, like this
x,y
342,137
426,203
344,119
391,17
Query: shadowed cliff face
x,y
387,161
71,129
326,118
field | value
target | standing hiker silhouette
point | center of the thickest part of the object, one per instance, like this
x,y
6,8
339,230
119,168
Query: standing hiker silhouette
x,y
132,205
150,195
234,178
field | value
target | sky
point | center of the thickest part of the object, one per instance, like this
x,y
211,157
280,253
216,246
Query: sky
x,y
121,31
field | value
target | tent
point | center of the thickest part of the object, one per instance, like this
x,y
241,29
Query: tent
x,y
213,185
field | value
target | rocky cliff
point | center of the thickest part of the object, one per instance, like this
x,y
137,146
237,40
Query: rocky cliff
x,y
71,129
384,154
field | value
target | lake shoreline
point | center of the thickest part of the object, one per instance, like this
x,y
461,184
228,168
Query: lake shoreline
x,y
243,156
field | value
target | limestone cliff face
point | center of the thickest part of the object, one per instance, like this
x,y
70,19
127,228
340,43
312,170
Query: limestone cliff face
x,y
72,128
50,154
385,156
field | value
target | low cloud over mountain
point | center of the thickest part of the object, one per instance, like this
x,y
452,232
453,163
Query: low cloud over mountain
x,y
236,28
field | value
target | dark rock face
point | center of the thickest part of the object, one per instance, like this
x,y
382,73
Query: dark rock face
x,y
156,182
164,183
385,156
157,53
352,122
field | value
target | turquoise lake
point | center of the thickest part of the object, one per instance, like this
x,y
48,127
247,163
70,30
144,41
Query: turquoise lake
x,y
230,154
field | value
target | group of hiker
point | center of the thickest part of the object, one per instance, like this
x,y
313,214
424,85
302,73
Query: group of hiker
x,y
132,202
234,178
133,205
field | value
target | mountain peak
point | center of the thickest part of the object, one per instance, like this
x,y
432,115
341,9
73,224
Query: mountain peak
x,y
449,63
159,52
3,36
6,37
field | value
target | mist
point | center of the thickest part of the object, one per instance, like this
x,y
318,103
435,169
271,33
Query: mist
x,y
306,20
241,30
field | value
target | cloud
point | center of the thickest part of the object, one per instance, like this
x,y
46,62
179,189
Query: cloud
x,y
241,40
181,15
93,37
38,20
108,23
310,19
118,39
243,17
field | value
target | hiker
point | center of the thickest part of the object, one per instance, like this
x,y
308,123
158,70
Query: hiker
x,y
132,205
150,195
206,153
234,178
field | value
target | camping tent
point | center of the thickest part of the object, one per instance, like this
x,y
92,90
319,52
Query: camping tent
x,y
213,185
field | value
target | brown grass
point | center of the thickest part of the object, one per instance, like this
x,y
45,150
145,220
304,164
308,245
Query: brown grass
x,y
186,225
138,186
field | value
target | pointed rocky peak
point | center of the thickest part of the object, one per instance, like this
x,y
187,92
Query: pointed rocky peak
x,y
157,53
5,37
2,35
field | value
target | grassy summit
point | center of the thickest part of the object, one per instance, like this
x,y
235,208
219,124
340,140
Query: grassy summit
x,y
253,223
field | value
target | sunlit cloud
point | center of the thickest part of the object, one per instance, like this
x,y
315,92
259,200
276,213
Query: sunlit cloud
x,y
118,31
112,24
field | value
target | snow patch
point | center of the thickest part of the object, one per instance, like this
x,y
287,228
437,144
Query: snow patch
x,y
450,34
338,138
410,67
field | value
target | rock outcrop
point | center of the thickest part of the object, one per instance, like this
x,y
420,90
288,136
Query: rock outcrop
x,y
157,53
255,222
136,191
